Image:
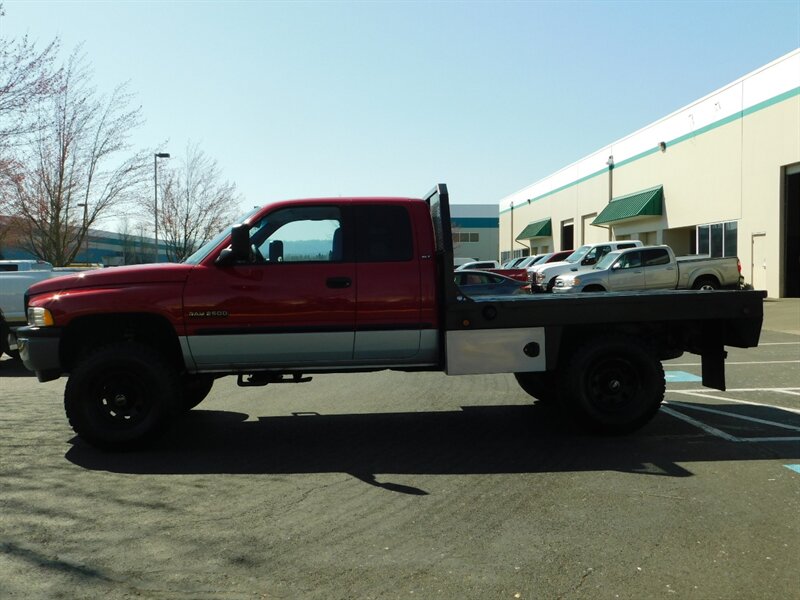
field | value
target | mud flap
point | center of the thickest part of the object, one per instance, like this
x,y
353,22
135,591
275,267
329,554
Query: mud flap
x,y
713,361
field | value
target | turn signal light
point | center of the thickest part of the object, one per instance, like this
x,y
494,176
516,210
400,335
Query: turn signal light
x,y
39,317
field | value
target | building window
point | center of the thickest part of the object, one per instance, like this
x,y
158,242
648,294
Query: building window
x,y
462,237
717,239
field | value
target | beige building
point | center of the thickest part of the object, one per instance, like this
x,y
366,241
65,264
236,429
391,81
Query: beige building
x,y
720,176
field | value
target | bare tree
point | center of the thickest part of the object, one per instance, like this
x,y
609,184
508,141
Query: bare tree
x,y
134,250
195,203
27,76
75,171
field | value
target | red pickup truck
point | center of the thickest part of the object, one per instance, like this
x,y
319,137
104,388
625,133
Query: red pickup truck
x,y
353,284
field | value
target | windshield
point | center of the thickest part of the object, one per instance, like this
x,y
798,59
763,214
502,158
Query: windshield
x,y
203,251
578,255
607,260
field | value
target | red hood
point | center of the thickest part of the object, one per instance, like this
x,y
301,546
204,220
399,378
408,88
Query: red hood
x,y
114,276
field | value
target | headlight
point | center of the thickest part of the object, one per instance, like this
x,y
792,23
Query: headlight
x,y
539,277
39,317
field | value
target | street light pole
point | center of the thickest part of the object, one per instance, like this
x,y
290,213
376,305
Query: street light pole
x,y
156,156
85,206
610,163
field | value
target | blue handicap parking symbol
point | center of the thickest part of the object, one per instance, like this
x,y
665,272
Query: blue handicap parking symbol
x,y
680,377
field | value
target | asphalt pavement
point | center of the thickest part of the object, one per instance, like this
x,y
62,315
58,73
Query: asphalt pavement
x,y
397,485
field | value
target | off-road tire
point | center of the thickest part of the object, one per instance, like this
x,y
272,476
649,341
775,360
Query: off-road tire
x,y
613,385
121,396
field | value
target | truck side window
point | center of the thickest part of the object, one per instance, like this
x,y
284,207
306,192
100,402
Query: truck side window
x,y
383,234
595,254
299,234
655,257
630,260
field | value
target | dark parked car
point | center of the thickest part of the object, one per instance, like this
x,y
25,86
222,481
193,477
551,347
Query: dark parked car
x,y
553,257
484,283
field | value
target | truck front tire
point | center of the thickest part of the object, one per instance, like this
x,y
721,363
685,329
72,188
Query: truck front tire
x,y
120,396
613,385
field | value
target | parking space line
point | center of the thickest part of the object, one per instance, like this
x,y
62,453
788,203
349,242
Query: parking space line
x,y
735,416
788,390
707,428
762,362
709,395
779,343
772,439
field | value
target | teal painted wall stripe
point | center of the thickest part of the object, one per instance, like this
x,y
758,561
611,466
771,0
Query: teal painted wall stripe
x,y
710,127
476,222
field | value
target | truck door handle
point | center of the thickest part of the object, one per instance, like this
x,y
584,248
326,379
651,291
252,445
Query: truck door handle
x,y
338,282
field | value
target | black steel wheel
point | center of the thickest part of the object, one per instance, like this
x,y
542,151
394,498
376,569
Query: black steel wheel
x,y
120,396
613,385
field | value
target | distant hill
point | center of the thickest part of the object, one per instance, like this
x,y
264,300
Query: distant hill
x,y
309,249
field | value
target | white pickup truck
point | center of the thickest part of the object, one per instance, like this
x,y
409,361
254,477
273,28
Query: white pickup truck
x,y
653,268
16,276
542,277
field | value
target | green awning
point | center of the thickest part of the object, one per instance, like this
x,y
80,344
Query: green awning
x,y
536,229
647,203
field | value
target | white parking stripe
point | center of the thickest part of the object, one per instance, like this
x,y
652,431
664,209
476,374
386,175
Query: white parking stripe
x,y
703,394
763,362
787,390
707,428
779,344
771,439
735,416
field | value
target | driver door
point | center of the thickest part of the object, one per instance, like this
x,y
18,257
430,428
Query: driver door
x,y
627,272
292,304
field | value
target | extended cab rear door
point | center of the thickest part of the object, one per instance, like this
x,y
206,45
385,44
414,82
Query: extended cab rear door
x,y
389,291
660,271
291,304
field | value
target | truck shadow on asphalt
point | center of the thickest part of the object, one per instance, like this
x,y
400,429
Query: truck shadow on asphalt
x,y
474,440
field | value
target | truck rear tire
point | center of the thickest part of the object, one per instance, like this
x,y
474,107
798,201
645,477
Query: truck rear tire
x,y
613,385
542,386
706,283
120,396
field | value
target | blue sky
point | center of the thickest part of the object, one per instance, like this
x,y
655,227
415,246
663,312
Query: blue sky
x,y
307,99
